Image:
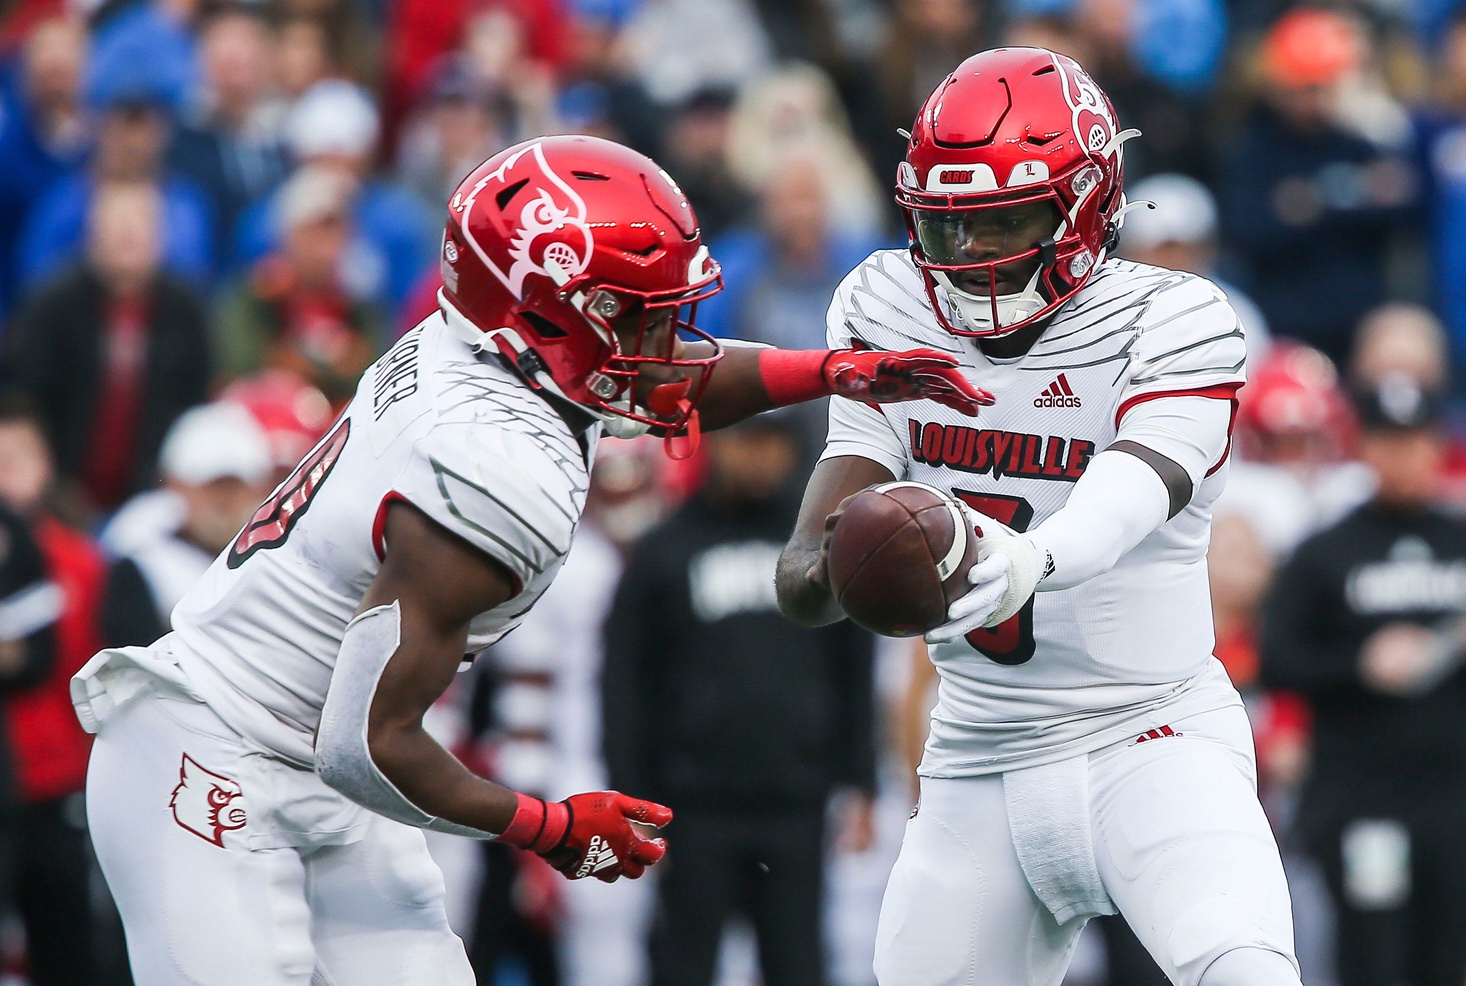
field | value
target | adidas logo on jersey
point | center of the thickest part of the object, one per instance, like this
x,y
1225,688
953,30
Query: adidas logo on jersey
x,y
598,856
1058,394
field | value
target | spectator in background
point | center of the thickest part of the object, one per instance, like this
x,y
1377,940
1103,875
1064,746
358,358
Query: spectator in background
x,y
1368,622
1293,469
294,311
595,59
215,466
795,110
30,604
135,121
780,273
499,44
1156,59
113,351
231,144
678,47
334,127
697,153
1401,339
534,33
42,133
1406,340
759,719
1180,232
352,34
924,40
53,891
304,55
1442,137
293,413
1312,207
460,123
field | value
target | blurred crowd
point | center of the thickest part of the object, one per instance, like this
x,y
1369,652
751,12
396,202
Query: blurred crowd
x,y
214,215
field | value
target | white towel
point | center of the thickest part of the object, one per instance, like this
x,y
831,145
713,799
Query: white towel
x,y
1048,813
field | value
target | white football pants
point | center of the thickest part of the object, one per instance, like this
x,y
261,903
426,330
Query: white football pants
x,y
201,908
1178,841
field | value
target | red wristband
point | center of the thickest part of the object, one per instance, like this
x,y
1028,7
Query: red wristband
x,y
537,825
793,376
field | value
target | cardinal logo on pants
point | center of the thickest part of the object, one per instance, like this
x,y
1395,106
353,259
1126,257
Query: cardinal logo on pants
x,y
205,803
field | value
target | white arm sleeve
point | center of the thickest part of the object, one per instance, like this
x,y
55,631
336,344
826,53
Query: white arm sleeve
x,y
1118,501
1121,499
343,754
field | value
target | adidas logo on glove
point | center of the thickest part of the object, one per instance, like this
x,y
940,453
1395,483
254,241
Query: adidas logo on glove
x,y
598,856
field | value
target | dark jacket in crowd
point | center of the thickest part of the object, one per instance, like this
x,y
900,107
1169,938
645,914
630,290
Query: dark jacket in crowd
x,y
57,352
29,606
1372,752
1313,217
712,698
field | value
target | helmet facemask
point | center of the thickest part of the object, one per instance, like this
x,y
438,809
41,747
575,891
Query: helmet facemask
x,y
641,331
970,244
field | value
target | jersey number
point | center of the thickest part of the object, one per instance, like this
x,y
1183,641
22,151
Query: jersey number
x,y
1010,642
271,523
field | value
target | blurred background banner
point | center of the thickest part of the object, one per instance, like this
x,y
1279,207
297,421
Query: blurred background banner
x,y
214,215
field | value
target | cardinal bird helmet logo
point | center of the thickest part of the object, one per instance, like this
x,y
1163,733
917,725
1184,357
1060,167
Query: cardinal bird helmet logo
x,y
543,216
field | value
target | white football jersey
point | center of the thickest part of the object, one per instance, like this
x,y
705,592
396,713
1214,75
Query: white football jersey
x,y
456,434
1077,668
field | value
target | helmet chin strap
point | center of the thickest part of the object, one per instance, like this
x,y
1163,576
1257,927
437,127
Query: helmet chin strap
x,y
976,311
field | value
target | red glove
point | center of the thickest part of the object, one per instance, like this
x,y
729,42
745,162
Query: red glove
x,y
870,376
590,834
884,378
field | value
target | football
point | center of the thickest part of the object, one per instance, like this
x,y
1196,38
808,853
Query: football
x,y
899,556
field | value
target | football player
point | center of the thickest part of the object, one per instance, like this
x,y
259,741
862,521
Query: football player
x,y
1087,754
261,774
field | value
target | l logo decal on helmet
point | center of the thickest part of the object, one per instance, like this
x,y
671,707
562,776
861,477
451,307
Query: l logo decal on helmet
x,y
535,201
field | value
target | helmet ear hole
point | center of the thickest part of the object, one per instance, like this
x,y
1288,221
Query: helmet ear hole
x,y
542,325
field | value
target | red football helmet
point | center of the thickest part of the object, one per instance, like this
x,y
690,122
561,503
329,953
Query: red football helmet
x,y
550,243
1011,129
1293,410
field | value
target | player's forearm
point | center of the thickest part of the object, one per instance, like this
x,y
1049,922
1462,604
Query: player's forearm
x,y
435,781
736,389
370,745
1114,506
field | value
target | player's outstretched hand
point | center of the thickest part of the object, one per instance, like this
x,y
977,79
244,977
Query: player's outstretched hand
x,y
878,377
1008,570
601,841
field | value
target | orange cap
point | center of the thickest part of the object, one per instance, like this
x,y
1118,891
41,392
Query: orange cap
x,y
1311,47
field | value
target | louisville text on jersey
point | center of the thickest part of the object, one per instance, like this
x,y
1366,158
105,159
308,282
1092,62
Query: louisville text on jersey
x,y
1000,453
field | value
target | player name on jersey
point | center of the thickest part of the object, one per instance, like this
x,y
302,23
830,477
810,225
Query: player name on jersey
x,y
1000,453
394,376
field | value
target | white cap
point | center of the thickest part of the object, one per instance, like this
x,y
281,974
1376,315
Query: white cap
x,y
1185,212
332,117
311,194
216,441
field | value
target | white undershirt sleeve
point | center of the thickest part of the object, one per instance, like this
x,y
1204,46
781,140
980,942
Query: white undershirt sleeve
x,y
1192,432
